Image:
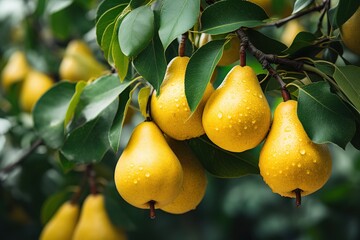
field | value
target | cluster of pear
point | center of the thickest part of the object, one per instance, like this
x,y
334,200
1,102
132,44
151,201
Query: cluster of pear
x,y
34,83
93,222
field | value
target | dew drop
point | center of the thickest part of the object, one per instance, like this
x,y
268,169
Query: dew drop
x,y
135,181
245,127
239,133
177,105
239,120
147,174
260,96
219,115
176,99
293,164
299,165
160,106
280,171
229,116
302,152
230,126
244,100
141,168
308,172
314,161
243,80
131,165
300,139
255,127
216,129
267,173
287,129
287,152
247,108
185,109
241,114
253,121
183,104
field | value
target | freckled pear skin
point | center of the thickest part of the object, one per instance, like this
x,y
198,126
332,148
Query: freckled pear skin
x,y
148,170
237,115
289,160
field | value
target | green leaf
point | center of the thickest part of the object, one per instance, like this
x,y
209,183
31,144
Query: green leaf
x,y
176,18
56,6
106,19
151,63
90,142
136,31
52,204
105,5
116,128
96,97
200,69
74,102
347,77
65,164
222,163
227,16
120,60
137,3
302,40
264,43
324,116
106,41
345,10
143,98
301,4
49,113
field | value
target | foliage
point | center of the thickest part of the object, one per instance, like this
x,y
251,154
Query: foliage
x,y
85,122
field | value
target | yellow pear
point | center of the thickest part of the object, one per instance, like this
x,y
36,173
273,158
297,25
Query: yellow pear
x,y
291,29
61,226
237,115
79,63
34,86
194,182
170,110
350,33
272,9
289,160
148,172
15,70
94,222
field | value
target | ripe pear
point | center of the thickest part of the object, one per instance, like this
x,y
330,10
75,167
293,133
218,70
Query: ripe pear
x,y
237,115
34,86
289,160
170,110
94,222
350,33
15,70
194,180
61,226
148,172
79,63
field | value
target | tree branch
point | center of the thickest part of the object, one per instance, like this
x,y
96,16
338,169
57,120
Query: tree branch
x,y
317,8
22,158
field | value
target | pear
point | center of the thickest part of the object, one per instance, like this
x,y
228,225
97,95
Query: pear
x,y
291,29
34,86
237,115
148,173
289,161
194,180
94,222
170,110
15,70
79,63
61,226
350,33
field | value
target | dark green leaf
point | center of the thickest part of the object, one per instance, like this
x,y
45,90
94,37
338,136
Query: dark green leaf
x,y
74,102
222,163
65,164
116,128
49,113
151,63
136,31
120,60
96,97
302,40
177,17
347,77
324,116
52,204
137,3
106,41
264,43
301,4
345,10
199,70
227,16
106,5
90,142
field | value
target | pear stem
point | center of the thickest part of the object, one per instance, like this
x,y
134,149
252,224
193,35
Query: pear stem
x,y
148,107
243,54
152,209
298,196
90,173
182,44
76,196
267,59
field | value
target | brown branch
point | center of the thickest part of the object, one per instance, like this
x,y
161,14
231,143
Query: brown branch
x,y
267,59
90,173
316,8
22,158
182,44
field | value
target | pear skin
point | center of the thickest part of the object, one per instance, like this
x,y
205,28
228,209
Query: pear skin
x,y
194,180
15,70
170,110
62,225
94,222
79,63
148,171
289,160
350,33
237,115
34,86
